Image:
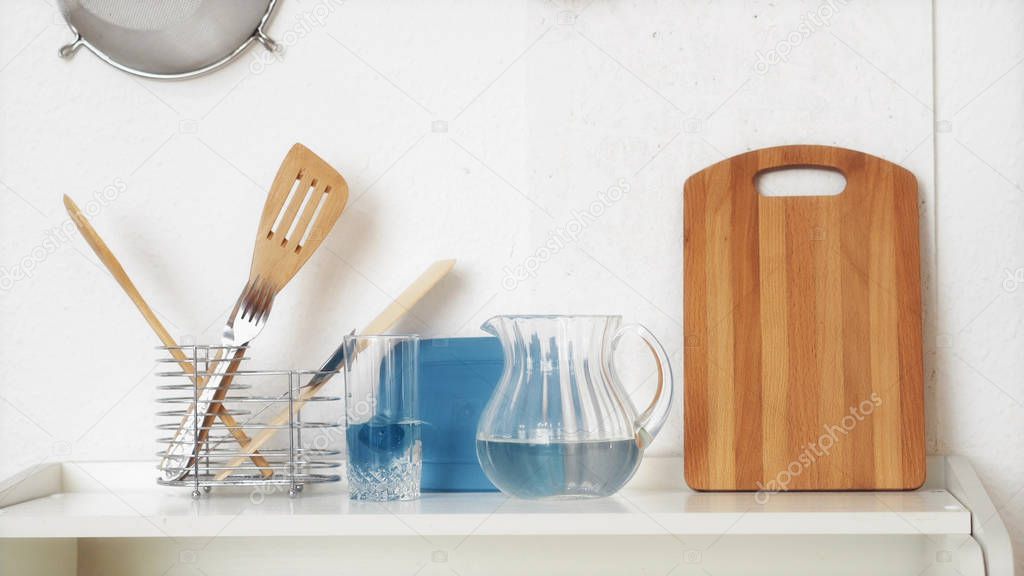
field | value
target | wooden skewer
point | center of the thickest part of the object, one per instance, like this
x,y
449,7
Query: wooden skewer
x,y
117,271
387,318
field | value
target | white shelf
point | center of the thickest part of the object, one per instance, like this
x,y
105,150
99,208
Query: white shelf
x,y
114,500
111,518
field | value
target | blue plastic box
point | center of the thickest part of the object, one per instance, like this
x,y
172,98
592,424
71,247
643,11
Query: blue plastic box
x,y
457,376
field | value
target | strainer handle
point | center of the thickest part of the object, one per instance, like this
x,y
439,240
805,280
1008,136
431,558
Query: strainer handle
x,y
68,50
269,43
650,421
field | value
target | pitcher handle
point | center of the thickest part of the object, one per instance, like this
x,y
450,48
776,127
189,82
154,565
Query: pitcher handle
x,y
650,421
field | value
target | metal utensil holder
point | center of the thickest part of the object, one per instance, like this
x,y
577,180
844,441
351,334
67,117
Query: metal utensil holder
x,y
300,453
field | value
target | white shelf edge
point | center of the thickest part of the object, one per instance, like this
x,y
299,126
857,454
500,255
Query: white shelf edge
x,y
987,526
35,482
113,500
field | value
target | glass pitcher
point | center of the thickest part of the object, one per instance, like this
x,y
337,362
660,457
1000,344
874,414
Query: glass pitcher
x,y
560,424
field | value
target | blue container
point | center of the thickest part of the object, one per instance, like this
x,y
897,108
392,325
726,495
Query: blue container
x,y
457,376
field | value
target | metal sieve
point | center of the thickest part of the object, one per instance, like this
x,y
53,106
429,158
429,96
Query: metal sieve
x,y
166,39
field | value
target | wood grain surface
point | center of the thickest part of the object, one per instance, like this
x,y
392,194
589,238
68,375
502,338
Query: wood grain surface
x,y
304,202
802,321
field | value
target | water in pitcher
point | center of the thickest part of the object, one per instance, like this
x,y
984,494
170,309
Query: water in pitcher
x,y
592,468
560,424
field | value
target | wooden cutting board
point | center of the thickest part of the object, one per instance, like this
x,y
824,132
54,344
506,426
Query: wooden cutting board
x,y
802,320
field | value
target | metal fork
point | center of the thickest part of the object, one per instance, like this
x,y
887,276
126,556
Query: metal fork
x,y
245,322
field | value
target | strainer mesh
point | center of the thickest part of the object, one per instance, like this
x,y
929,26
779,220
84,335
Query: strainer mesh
x,y
142,14
166,38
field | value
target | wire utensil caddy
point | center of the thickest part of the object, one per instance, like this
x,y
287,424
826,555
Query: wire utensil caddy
x,y
305,448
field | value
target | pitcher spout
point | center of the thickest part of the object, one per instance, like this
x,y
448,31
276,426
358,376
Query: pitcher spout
x,y
493,326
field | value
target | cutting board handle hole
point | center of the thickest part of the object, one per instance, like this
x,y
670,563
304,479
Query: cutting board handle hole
x,y
800,181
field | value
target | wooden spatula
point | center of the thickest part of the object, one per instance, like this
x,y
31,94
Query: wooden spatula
x,y
305,200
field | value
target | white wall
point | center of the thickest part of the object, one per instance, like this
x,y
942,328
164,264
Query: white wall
x,y
478,130
980,219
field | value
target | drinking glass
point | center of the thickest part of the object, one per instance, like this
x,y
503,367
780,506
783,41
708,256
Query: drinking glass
x,y
382,430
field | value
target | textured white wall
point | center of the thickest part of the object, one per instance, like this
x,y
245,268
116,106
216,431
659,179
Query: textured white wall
x,y
481,130
979,56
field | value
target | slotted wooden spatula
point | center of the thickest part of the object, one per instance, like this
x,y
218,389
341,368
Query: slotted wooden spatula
x,y
305,200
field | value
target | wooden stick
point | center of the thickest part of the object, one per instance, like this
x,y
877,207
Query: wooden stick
x,y
387,318
117,271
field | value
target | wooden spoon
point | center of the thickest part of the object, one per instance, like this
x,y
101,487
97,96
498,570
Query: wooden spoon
x,y
99,247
